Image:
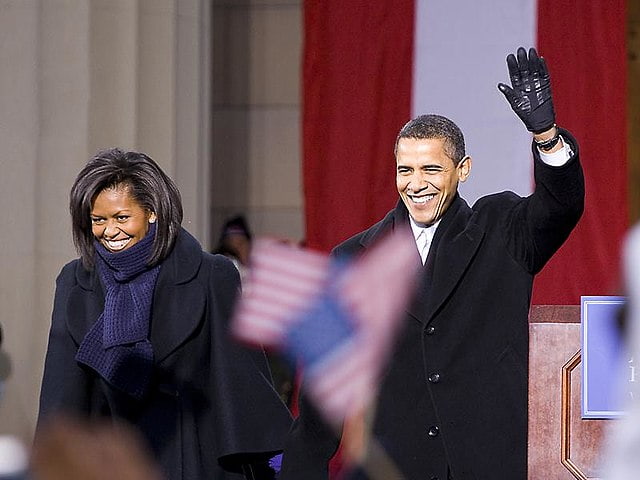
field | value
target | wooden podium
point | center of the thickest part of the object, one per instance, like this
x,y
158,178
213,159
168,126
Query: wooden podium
x,y
561,444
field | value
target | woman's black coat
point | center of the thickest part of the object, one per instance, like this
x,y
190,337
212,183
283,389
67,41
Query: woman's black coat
x,y
211,406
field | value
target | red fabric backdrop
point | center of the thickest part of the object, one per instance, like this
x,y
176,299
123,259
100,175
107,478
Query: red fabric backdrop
x,y
357,95
585,47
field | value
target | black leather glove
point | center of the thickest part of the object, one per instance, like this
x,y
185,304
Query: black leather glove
x,y
530,91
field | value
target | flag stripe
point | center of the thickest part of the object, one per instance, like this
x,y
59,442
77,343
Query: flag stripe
x,y
349,385
282,281
376,275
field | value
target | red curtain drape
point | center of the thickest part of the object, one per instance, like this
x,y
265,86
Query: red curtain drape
x,y
584,44
357,95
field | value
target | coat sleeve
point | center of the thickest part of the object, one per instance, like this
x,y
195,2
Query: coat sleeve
x,y
536,226
310,446
65,386
252,420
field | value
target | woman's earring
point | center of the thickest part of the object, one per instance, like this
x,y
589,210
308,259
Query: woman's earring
x,y
152,218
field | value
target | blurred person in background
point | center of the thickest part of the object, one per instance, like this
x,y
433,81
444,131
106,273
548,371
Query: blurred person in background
x,y
139,331
235,243
71,449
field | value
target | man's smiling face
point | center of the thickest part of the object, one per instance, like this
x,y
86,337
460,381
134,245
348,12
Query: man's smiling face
x,y
427,178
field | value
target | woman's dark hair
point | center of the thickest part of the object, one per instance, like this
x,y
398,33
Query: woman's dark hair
x,y
146,183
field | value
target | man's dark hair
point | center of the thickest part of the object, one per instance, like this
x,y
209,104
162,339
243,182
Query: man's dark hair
x,y
146,183
435,126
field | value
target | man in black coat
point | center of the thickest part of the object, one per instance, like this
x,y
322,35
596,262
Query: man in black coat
x,y
453,400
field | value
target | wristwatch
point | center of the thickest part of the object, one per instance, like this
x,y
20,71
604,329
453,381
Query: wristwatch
x,y
547,145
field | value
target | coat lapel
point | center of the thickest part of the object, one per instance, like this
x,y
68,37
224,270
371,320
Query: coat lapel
x,y
176,315
179,302
84,304
454,245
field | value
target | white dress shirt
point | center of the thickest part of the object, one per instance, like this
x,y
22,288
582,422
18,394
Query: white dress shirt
x,y
423,237
559,158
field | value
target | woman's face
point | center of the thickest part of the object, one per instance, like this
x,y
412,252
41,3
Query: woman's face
x,y
117,221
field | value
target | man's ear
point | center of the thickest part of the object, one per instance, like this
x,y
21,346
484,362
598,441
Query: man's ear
x,y
464,168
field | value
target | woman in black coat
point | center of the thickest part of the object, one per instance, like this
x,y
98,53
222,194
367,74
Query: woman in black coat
x,y
140,331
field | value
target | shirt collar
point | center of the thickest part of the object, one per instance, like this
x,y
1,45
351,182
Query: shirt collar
x,y
418,229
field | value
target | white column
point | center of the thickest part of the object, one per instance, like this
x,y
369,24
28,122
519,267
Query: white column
x,y
43,112
192,154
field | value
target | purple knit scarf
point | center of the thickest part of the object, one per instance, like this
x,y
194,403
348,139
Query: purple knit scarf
x,y
117,347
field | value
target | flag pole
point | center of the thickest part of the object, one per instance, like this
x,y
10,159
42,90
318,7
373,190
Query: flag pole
x,y
362,449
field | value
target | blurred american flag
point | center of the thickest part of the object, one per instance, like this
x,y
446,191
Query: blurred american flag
x,y
337,320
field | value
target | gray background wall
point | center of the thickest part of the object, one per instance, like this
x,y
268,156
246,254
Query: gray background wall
x,y
256,114
210,89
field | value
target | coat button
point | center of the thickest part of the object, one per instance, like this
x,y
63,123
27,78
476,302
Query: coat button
x,y
434,377
430,330
433,431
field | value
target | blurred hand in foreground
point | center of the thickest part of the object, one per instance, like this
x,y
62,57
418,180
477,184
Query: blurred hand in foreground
x,y
67,449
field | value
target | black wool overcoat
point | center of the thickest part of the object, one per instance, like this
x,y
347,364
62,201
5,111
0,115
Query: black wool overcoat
x,y
454,396
211,405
